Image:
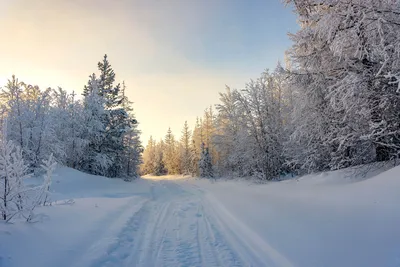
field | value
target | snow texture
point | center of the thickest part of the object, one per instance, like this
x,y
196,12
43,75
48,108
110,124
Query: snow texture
x,y
318,220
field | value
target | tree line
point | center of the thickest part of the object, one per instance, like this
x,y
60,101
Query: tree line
x,y
96,134
335,103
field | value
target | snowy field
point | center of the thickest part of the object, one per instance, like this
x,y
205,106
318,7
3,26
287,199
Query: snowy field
x,y
324,220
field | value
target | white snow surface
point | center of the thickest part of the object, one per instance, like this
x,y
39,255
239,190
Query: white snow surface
x,y
324,220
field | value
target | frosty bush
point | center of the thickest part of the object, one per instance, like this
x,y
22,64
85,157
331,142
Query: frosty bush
x,y
16,199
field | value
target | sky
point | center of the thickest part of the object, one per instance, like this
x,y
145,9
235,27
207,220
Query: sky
x,y
175,56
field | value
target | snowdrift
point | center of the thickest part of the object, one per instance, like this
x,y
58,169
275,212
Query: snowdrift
x,y
328,219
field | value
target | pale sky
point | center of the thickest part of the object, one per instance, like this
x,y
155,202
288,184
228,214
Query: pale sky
x,y
174,55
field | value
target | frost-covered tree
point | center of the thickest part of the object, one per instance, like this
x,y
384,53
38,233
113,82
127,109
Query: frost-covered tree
x,y
197,141
132,154
13,171
208,127
67,116
16,199
348,55
98,134
75,141
227,135
116,149
49,167
261,105
171,153
149,157
159,165
185,150
205,163
12,97
116,119
30,121
95,160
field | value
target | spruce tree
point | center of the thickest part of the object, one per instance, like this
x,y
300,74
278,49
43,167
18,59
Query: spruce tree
x,y
205,163
185,154
95,159
171,158
120,143
159,166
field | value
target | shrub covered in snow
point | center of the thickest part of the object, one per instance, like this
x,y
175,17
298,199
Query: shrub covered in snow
x,y
16,199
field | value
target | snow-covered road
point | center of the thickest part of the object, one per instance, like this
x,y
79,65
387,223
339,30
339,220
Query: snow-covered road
x,y
176,225
327,220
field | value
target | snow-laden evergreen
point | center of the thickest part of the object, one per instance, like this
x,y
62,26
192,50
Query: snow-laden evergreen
x,y
205,163
185,151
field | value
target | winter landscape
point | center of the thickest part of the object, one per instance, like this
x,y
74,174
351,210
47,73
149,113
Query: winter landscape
x,y
298,166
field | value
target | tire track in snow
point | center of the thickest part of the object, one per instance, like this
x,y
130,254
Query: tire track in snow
x,y
253,250
187,250
130,235
209,255
153,235
91,250
201,244
173,228
218,245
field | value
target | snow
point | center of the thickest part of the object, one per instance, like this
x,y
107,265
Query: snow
x,y
327,219
315,222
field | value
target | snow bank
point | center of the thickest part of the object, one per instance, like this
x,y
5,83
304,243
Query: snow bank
x,y
84,210
315,222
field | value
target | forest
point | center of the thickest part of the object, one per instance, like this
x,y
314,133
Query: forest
x,y
333,103
296,167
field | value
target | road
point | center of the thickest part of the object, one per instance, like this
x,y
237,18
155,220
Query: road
x,y
177,225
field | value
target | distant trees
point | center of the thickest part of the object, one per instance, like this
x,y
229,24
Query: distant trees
x,y
159,161
171,154
167,156
97,134
185,153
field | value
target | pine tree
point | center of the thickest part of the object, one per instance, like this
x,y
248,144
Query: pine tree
x,y
208,127
149,157
116,118
185,151
107,89
120,145
197,141
171,156
96,160
205,163
159,166
129,158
